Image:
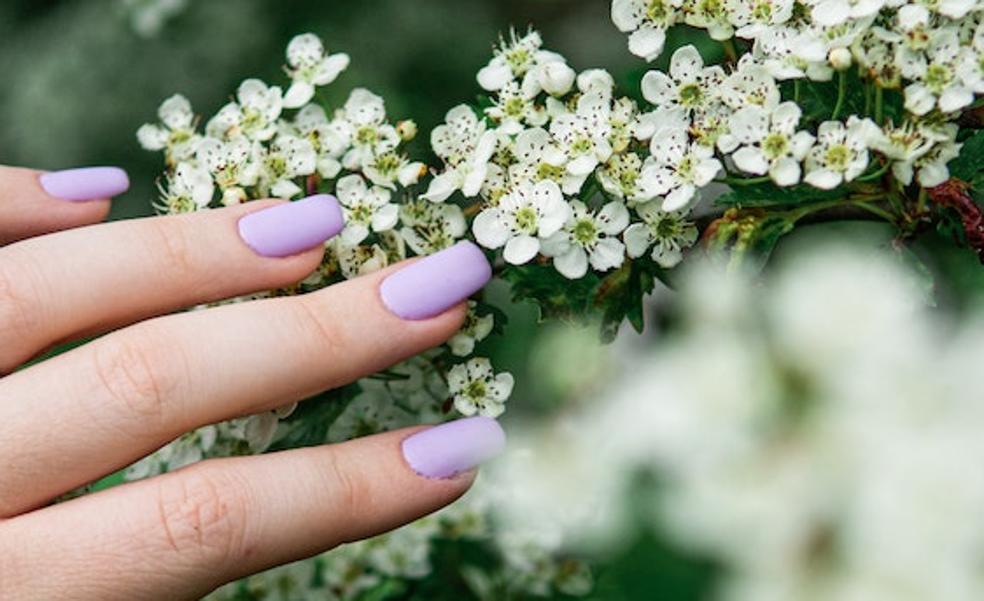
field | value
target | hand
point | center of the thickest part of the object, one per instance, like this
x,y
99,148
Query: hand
x,y
91,411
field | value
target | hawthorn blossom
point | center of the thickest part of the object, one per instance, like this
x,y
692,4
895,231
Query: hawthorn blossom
x,y
840,154
477,389
753,17
589,238
938,82
253,116
228,162
330,139
750,84
679,167
583,136
623,176
366,209
646,21
466,146
189,188
372,136
513,110
429,227
310,66
476,329
667,233
287,159
523,60
829,13
690,85
538,157
904,145
521,220
770,142
176,133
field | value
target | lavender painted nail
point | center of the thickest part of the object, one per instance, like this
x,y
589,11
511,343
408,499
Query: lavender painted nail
x,y
433,285
292,228
89,183
447,450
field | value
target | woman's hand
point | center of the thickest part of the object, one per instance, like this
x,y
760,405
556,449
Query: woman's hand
x,y
86,413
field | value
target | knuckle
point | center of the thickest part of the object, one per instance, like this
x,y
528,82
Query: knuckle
x,y
134,375
20,296
323,331
177,249
348,491
202,516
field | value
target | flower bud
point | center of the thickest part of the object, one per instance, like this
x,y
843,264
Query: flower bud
x,y
407,130
840,58
557,78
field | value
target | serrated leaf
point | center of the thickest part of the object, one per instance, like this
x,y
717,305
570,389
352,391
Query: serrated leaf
x,y
308,426
969,165
620,297
770,195
555,295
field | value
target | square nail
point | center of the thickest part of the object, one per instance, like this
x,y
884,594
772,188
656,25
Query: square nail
x,y
453,448
89,183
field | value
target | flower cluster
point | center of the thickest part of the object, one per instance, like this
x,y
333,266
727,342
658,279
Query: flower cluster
x,y
813,435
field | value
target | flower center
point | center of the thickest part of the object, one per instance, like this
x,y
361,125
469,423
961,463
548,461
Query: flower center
x,y
665,228
514,107
691,95
938,77
518,59
656,11
685,168
837,157
583,145
775,145
526,219
546,171
388,163
585,232
366,136
360,213
476,390
762,11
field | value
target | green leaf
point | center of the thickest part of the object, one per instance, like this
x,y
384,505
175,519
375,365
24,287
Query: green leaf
x,y
770,195
620,296
555,295
308,426
969,165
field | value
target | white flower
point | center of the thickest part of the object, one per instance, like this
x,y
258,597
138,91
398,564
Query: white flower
x,y
589,237
583,136
371,412
932,165
622,176
287,159
513,110
710,15
254,116
753,17
904,145
841,153
647,22
789,53
228,162
371,135
357,260
429,227
678,167
466,146
770,142
476,388
330,139
667,233
522,60
539,157
310,66
690,85
476,329
751,84
176,134
939,82
365,208
521,220
189,188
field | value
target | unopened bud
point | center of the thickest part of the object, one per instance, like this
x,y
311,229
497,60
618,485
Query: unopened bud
x,y
407,130
840,58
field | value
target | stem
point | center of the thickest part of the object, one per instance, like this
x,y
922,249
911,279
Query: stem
x,y
841,94
922,201
876,174
879,104
875,211
867,98
729,50
797,88
747,181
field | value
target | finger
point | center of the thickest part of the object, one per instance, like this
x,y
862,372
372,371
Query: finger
x,y
34,203
104,405
184,534
94,279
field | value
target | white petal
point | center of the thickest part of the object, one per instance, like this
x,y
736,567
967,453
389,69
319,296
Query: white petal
x,y
329,69
574,264
785,172
442,187
955,98
495,76
521,250
637,240
153,137
679,198
299,94
686,64
608,254
489,230
751,159
750,124
385,218
824,179
613,218
658,88
647,42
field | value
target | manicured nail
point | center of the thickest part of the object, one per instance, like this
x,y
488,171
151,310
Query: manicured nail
x,y
90,183
433,285
449,449
292,228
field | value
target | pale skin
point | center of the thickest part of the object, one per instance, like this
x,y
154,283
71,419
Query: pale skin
x,y
154,373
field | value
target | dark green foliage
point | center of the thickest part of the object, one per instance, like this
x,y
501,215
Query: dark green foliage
x,y
308,426
770,195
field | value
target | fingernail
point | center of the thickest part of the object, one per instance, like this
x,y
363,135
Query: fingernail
x,y
449,449
90,183
433,285
292,228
